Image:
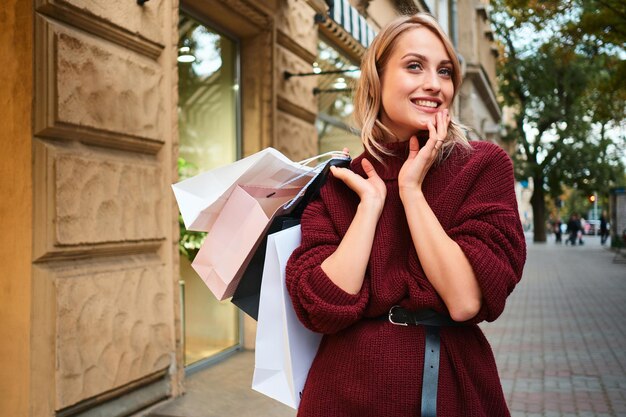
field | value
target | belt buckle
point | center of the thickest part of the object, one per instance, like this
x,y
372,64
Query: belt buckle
x,y
391,317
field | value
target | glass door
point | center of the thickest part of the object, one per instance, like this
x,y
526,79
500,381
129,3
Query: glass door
x,y
208,89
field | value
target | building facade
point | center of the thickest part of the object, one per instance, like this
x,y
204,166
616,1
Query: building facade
x,y
110,102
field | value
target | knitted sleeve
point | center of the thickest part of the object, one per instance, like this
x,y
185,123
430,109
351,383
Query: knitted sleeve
x,y
488,229
320,304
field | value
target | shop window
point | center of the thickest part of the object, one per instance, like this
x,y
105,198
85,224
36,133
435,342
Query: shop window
x,y
208,133
336,83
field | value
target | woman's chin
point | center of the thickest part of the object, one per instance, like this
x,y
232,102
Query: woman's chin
x,y
422,123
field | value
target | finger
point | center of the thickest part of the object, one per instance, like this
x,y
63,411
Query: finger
x,y
338,172
434,140
414,147
368,168
348,177
442,127
445,122
346,151
432,134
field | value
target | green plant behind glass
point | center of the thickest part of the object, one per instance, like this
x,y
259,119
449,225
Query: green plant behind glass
x,y
190,242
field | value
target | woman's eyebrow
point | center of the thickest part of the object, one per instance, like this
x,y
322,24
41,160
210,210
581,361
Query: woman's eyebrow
x,y
423,58
415,55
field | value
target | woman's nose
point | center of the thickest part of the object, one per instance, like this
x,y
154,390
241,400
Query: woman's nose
x,y
431,82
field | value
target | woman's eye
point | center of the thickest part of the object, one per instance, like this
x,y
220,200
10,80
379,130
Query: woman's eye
x,y
414,66
447,72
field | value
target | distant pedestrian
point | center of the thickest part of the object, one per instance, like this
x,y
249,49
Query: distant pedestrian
x,y
604,227
556,227
574,230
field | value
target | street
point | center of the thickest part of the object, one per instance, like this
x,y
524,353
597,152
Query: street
x,y
560,345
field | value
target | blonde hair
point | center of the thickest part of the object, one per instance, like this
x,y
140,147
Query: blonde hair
x,y
367,98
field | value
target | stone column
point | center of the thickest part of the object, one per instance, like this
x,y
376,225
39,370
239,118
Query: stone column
x,y
104,288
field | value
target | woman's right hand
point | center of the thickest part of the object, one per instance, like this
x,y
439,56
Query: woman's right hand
x,y
371,190
347,265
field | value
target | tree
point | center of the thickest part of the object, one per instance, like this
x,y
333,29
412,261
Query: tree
x,y
567,105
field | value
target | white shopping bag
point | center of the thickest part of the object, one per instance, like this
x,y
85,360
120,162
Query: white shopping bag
x,y
284,347
201,198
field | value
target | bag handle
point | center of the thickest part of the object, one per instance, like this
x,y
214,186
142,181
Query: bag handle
x,y
317,168
309,191
332,154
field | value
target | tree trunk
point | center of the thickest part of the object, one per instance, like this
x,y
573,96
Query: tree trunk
x,y
538,203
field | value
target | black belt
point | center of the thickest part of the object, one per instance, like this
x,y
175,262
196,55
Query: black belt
x,y
431,320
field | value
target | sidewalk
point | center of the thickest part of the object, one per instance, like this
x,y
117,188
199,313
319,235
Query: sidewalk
x,y
560,345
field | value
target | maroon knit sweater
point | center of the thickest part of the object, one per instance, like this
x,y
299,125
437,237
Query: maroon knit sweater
x,y
368,367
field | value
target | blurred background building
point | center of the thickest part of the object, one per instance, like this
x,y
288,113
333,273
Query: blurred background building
x,y
111,102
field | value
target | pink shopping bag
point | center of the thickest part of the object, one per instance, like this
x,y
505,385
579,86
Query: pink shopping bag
x,y
236,233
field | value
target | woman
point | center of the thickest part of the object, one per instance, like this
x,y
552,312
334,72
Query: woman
x,y
423,229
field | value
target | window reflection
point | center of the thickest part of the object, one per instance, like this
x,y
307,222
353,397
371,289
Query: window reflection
x,y
207,121
334,122
207,96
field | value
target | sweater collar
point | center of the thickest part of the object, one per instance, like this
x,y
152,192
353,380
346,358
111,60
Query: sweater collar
x,y
391,164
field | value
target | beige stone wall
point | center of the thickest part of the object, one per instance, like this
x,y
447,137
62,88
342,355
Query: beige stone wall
x,y
296,50
475,114
113,324
474,36
16,88
478,105
104,287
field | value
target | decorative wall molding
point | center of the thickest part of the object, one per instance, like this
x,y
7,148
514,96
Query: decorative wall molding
x,y
80,97
295,110
340,38
248,10
65,12
104,281
287,42
60,254
295,89
319,6
112,325
99,137
148,390
68,227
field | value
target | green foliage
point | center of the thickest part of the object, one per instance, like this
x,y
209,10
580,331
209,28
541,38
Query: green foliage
x,y
562,72
190,242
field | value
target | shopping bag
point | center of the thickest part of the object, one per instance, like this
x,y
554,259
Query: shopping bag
x,y
202,198
284,348
235,234
235,204
247,293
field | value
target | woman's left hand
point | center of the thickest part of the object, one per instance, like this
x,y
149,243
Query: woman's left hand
x,y
419,161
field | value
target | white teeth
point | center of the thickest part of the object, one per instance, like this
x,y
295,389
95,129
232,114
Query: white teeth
x,y
426,103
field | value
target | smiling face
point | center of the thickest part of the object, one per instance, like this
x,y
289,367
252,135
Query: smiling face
x,y
416,83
